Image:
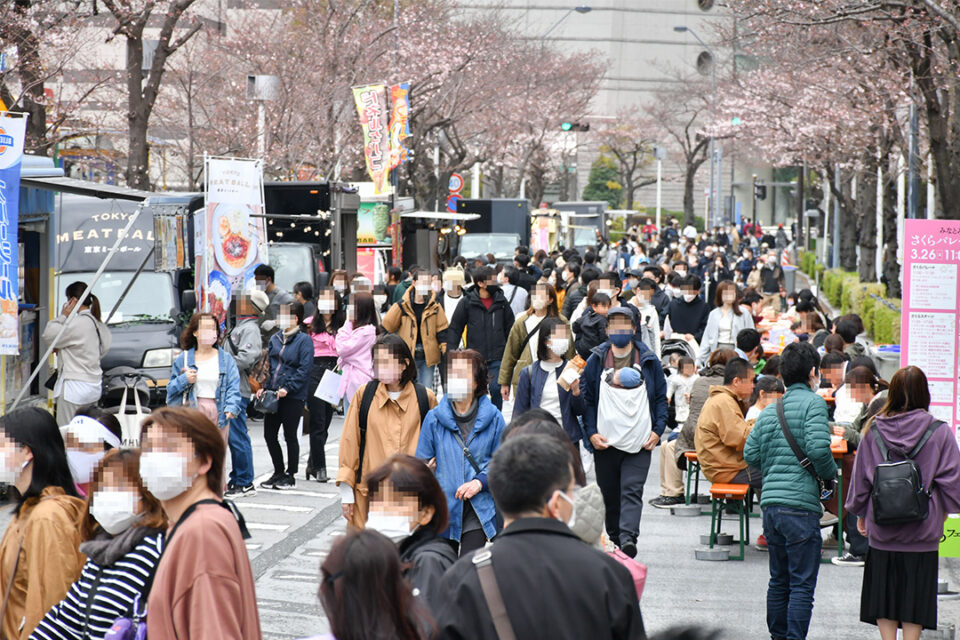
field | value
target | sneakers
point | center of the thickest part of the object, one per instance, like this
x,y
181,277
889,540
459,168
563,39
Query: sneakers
x,y
286,481
272,481
848,560
665,502
629,547
236,491
761,544
828,520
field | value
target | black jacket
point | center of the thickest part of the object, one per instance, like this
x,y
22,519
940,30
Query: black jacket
x,y
427,557
575,294
590,330
661,300
487,331
689,317
553,584
526,280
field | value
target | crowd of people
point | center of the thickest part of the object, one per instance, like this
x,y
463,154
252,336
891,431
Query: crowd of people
x,y
671,338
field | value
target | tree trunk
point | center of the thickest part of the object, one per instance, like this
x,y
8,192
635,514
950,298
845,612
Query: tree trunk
x,y
848,229
138,171
867,214
891,268
688,187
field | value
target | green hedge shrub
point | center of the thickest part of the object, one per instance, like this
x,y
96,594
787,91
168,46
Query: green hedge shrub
x,y
845,292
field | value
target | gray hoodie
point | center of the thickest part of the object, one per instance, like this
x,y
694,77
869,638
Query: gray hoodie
x,y
245,346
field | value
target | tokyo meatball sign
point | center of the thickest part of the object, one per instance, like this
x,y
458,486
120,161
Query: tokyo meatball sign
x,y
231,237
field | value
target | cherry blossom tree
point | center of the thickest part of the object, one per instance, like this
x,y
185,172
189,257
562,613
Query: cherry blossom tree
x,y
630,140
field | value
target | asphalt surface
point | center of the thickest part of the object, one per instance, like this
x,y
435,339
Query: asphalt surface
x,y
293,530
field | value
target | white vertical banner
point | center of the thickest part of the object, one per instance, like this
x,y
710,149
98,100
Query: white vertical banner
x,y
231,236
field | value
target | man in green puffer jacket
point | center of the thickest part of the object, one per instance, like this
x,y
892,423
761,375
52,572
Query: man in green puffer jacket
x,y
791,497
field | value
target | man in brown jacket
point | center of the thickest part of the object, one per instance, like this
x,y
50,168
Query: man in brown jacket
x,y
421,321
722,430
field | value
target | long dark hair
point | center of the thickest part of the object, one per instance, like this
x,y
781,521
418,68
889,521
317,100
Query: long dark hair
x,y
545,332
337,318
76,289
364,310
397,348
908,391
408,475
363,591
35,428
188,340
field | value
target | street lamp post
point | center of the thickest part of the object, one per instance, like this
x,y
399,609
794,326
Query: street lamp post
x,y
714,192
579,9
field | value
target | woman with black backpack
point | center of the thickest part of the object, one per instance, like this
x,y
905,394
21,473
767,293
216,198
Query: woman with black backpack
x,y
383,419
903,516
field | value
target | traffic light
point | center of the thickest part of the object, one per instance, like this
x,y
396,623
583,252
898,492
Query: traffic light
x,y
574,126
760,191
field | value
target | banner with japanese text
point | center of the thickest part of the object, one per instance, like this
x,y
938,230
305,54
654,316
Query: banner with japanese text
x,y
399,123
931,309
231,239
12,130
371,101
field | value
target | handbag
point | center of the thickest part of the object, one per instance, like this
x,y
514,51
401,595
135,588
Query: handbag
x,y
637,571
130,423
826,487
267,402
328,389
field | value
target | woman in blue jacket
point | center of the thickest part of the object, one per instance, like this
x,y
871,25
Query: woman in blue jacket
x,y
538,385
205,376
291,360
466,419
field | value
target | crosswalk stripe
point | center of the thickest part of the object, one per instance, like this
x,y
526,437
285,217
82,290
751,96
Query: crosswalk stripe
x,y
258,526
243,506
297,492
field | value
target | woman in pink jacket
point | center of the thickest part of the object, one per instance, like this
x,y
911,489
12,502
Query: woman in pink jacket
x,y
355,341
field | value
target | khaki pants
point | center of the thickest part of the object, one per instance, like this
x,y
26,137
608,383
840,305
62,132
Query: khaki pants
x,y
671,477
771,300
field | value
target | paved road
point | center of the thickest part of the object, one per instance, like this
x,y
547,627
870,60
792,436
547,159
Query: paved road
x,y
293,530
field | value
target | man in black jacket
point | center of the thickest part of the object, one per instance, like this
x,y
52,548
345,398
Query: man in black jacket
x,y
660,300
522,263
551,584
488,318
688,314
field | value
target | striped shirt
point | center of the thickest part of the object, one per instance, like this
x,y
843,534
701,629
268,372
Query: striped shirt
x,y
117,586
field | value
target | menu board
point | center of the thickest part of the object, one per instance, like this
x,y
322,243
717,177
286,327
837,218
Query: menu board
x,y
931,310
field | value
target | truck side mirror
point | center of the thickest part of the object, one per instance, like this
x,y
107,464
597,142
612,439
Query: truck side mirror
x,y
188,300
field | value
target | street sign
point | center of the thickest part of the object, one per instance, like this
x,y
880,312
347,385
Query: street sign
x,y
456,184
659,153
452,202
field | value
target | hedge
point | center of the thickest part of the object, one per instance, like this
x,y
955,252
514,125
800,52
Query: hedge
x,y
845,292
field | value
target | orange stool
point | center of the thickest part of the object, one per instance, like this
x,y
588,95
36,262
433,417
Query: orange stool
x,y
735,495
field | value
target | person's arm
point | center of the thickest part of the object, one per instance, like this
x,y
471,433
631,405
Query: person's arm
x,y
427,444
732,429
710,337
659,399
391,319
946,478
698,334
350,442
859,487
457,324
511,353
212,607
751,448
51,563
67,627
442,324
509,319
178,383
816,440
231,403
248,348
521,402
589,391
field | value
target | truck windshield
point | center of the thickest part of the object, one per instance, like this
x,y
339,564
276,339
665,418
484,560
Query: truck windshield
x,y
291,264
501,245
584,236
149,299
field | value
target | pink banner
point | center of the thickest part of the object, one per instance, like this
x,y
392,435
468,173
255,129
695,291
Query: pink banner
x,y
931,309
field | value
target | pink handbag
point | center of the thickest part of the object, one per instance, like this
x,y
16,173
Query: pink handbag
x,y
637,571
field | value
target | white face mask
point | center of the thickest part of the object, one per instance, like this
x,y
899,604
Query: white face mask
x,y
423,289
559,346
10,471
437,287
689,297
114,510
607,292
450,286
573,508
82,464
164,474
325,306
394,527
538,303
339,287
379,301
642,301
458,388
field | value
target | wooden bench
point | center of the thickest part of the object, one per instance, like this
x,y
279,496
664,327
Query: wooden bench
x,y
729,495
693,470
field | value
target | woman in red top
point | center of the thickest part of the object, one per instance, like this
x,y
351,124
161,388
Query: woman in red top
x,y
323,330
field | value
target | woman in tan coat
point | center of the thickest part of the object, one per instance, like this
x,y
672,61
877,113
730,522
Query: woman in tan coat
x,y
39,559
394,405
421,321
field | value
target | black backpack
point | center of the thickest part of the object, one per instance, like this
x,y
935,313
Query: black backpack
x,y
898,495
369,391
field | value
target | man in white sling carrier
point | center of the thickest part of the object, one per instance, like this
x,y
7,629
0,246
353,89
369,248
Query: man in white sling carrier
x,y
625,395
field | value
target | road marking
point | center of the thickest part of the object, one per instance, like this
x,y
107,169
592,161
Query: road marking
x,y
267,527
297,492
298,577
253,547
273,507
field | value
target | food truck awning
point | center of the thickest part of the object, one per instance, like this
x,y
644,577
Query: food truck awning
x,y
84,188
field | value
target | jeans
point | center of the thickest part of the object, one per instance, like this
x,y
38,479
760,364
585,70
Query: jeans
x,y
425,373
493,370
241,450
621,476
793,539
289,413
